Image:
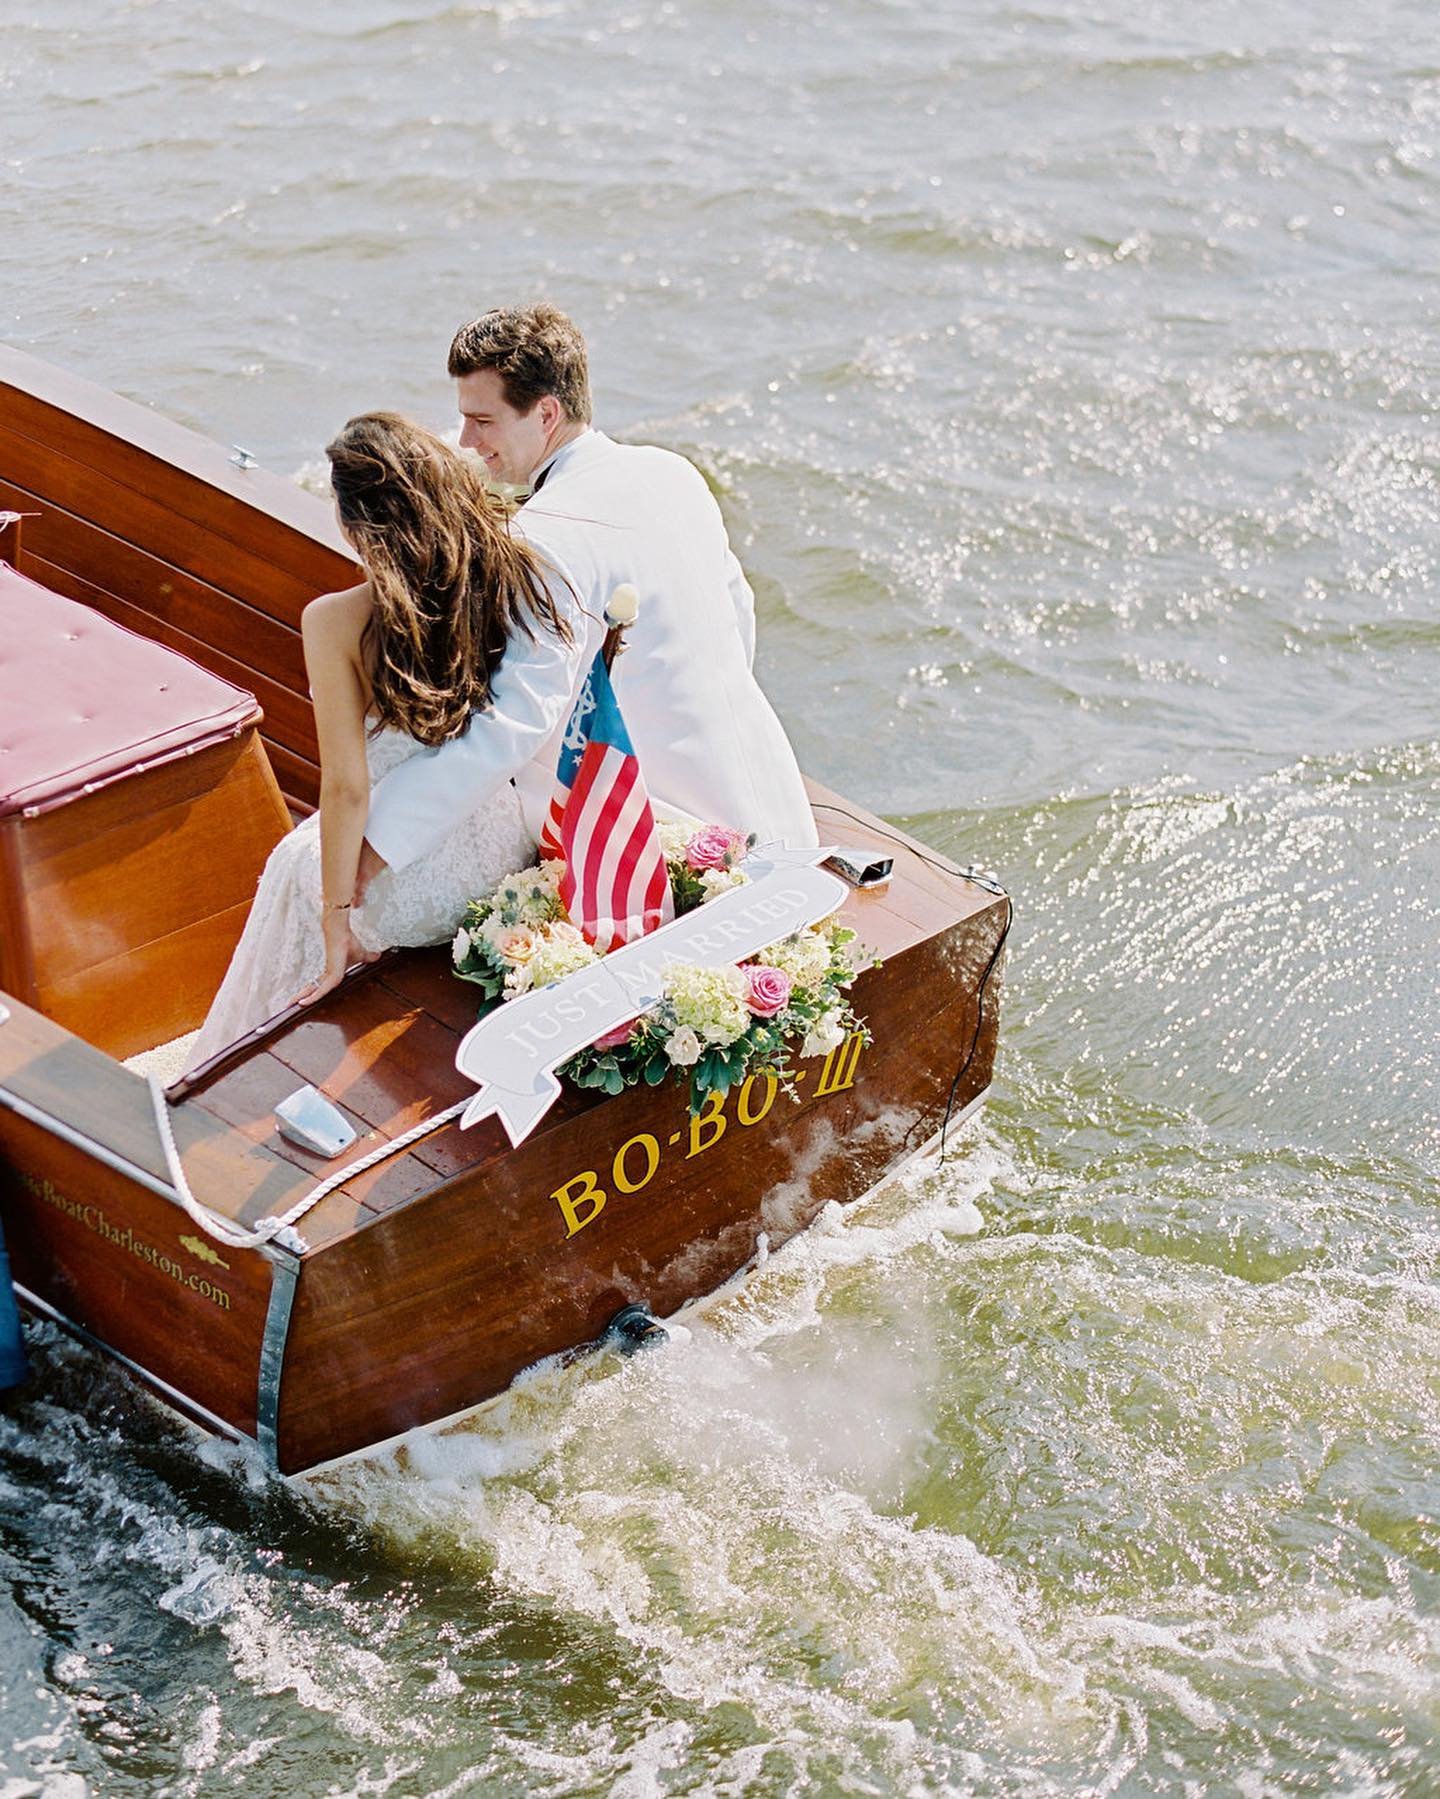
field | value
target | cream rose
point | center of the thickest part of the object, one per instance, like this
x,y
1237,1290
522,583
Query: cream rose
x,y
683,1047
515,943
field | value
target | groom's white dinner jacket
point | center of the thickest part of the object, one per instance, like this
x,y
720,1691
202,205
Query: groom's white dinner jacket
x,y
708,742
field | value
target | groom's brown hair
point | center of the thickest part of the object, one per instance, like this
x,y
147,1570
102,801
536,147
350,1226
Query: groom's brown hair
x,y
535,350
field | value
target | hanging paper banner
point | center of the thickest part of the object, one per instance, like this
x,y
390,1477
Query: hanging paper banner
x,y
513,1052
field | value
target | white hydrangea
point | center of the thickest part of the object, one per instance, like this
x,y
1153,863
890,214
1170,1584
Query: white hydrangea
x,y
683,1047
711,1001
562,951
673,838
721,880
805,957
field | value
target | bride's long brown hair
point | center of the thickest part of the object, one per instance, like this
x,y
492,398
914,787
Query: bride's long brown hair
x,y
451,585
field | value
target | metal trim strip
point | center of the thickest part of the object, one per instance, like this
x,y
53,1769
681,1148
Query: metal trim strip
x,y
284,1277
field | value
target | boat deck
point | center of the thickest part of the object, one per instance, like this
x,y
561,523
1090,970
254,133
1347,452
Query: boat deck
x,y
382,1048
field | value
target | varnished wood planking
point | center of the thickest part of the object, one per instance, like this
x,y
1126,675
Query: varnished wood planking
x,y
838,816
380,1079
299,780
336,1216
149,994
191,474
150,854
446,1323
109,1270
426,978
90,1092
17,953
87,490
134,896
246,1099
87,1265
921,874
393,1067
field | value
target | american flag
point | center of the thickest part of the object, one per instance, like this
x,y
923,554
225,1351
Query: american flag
x,y
615,886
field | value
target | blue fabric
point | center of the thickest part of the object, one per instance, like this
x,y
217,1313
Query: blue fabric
x,y
596,719
13,1364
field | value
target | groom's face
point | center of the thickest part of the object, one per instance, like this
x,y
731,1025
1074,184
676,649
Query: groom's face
x,y
511,444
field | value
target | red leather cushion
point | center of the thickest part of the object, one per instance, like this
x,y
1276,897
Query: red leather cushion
x,y
84,702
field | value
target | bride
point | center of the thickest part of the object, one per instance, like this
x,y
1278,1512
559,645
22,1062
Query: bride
x,y
396,665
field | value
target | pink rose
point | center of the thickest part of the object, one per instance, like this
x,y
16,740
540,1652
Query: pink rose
x,y
767,990
713,846
613,1039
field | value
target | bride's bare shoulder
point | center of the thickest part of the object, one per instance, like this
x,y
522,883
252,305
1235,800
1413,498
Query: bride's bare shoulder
x,y
338,618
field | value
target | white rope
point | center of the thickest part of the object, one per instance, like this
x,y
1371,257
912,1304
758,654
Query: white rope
x,y
282,1229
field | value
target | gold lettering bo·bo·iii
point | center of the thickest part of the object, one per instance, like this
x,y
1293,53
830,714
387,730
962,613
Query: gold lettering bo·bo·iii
x,y
635,1164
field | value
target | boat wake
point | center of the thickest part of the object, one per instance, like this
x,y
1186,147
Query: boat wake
x,y
731,1507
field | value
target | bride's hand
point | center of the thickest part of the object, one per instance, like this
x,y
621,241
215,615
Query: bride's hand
x,y
342,950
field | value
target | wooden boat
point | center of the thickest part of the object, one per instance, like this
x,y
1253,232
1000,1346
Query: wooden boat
x,y
132,829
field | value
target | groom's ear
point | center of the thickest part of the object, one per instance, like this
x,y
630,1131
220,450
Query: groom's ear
x,y
550,411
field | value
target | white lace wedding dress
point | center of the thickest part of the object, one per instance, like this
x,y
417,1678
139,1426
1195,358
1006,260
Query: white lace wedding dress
x,y
281,948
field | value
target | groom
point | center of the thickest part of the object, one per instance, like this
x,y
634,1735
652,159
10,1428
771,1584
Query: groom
x,y
601,513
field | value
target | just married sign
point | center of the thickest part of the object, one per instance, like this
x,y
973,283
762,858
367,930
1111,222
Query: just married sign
x,y
513,1052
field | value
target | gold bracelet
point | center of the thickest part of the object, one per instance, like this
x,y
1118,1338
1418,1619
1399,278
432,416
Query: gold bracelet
x,y
339,906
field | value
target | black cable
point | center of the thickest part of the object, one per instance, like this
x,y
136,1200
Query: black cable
x,y
991,886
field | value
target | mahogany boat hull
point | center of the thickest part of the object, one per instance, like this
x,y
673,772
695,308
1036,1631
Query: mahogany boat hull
x,y
404,1317
441,1304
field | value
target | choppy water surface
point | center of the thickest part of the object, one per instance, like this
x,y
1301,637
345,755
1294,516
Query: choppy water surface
x,y
1069,376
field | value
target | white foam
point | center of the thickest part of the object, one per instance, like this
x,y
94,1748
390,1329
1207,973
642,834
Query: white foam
x,y
722,1501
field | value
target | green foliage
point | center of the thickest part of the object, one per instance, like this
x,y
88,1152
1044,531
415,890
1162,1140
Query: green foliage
x,y
685,888
765,1046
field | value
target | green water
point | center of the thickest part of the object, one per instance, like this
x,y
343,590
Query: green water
x,y
1069,378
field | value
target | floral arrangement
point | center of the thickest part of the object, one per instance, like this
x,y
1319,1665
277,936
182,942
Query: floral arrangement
x,y
712,1027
